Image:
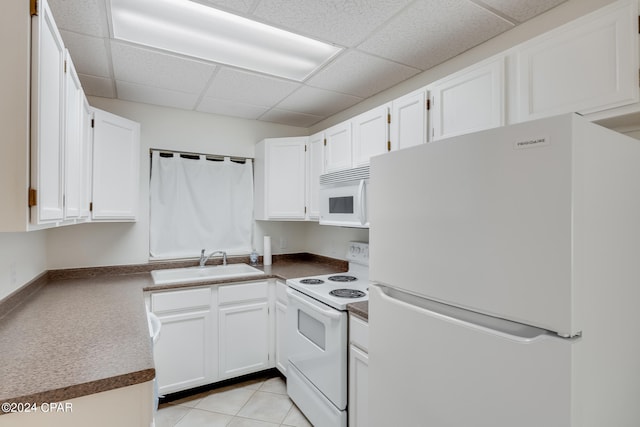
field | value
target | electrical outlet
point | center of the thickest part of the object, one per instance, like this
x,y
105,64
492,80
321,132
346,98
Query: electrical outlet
x,y
283,243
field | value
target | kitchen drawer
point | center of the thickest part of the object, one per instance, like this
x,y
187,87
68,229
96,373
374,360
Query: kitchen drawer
x,y
281,292
242,292
359,332
180,300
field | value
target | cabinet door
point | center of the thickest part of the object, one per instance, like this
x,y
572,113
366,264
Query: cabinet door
x,y
468,101
315,168
281,336
285,178
338,147
183,352
358,387
116,151
87,158
370,135
243,338
588,65
47,118
73,147
409,120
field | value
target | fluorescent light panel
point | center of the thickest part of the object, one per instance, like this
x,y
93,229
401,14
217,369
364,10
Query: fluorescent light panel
x,y
193,29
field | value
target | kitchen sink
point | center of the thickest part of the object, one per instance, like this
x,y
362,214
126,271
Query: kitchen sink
x,y
203,274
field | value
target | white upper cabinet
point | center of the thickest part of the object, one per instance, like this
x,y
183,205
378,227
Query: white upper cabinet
x,y
74,145
47,119
280,179
315,168
409,120
469,100
116,165
370,135
86,121
338,147
587,65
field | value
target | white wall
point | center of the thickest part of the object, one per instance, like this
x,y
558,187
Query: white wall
x,y
22,258
160,127
294,236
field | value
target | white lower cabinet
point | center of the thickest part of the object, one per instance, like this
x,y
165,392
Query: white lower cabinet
x,y
281,327
184,351
243,328
211,333
358,372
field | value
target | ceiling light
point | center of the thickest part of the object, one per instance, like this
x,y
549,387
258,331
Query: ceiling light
x,y
193,29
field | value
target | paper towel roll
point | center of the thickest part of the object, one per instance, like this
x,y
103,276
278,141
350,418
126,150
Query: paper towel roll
x,y
267,250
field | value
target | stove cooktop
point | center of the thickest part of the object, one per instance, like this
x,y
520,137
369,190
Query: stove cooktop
x,y
335,293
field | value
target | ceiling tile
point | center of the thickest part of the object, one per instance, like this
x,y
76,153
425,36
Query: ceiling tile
x,y
290,118
243,6
346,23
89,53
317,102
360,74
520,10
151,68
230,108
430,32
86,16
249,88
98,86
154,95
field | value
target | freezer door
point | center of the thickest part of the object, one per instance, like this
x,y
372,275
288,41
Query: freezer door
x,y
427,368
482,221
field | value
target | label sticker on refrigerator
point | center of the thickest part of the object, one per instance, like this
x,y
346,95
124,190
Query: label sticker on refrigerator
x,y
531,143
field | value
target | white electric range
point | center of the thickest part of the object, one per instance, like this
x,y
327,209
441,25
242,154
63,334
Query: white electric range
x,y
317,338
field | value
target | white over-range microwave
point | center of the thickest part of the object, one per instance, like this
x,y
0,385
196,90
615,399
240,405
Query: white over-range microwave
x,y
343,198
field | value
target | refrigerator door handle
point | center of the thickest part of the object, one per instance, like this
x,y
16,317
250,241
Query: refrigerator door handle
x,y
513,331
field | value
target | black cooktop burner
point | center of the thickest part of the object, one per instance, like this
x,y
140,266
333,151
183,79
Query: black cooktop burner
x,y
312,281
342,278
347,293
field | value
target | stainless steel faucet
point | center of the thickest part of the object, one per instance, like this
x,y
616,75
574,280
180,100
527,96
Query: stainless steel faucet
x,y
204,259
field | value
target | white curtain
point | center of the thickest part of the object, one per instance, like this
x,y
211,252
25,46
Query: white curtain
x,y
199,204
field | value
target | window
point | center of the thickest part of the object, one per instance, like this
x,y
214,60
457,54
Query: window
x,y
199,202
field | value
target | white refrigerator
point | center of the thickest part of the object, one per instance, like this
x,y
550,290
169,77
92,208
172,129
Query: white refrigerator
x,y
507,271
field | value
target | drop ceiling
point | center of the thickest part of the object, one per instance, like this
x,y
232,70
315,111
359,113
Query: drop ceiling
x,y
384,42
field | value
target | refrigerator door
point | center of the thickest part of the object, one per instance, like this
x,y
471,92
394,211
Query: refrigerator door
x,y
484,221
428,368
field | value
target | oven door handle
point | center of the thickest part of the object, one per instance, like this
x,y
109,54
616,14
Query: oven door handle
x,y
330,313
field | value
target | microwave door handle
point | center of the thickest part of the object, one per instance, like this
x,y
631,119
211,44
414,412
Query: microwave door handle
x,y
361,202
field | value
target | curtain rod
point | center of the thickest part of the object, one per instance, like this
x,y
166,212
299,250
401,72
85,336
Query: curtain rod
x,y
208,156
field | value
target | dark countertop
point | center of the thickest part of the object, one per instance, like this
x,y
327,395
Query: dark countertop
x,y
85,330
360,309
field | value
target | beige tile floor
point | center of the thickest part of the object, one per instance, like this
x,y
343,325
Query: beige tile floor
x,y
253,403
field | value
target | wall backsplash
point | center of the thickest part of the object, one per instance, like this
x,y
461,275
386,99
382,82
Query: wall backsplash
x,y
22,258
307,237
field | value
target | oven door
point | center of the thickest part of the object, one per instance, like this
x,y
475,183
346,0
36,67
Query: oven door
x,y
344,204
317,345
